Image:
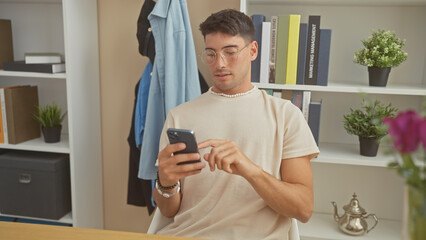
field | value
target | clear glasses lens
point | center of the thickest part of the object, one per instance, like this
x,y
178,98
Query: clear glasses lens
x,y
229,54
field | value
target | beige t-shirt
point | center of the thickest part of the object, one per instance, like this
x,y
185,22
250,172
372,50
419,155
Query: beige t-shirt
x,y
218,205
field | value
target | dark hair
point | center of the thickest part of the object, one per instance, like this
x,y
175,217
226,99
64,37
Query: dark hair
x,y
229,21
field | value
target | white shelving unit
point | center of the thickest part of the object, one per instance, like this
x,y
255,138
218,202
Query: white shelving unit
x,y
315,229
340,170
68,27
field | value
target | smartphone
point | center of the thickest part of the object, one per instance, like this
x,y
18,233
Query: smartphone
x,y
184,136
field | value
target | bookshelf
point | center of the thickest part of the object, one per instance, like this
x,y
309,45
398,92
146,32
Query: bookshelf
x,y
339,170
68,27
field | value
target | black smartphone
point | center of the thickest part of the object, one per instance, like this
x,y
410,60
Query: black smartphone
x,y
184,136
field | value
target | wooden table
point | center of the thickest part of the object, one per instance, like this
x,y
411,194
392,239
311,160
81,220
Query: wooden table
x,y
27,231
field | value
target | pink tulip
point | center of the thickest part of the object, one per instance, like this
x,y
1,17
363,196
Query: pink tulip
x,y
408,129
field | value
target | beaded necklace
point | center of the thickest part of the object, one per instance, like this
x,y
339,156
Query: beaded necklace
x,y
231,95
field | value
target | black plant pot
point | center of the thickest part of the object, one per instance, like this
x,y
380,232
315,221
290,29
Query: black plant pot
x,y
378,77
52,135
368,147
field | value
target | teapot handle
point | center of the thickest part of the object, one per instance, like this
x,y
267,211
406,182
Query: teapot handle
x,y
375,219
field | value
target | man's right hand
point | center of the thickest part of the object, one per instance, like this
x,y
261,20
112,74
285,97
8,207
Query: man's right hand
x,y
168,169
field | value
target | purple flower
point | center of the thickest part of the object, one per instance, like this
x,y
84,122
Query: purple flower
x,y
408,129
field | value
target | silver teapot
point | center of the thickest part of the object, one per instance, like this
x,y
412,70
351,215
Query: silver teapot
x,y
353,221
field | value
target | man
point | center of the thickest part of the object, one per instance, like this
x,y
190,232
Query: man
x,y
255,171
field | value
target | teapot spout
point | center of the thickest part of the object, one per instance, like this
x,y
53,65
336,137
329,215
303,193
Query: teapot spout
x,y
336,215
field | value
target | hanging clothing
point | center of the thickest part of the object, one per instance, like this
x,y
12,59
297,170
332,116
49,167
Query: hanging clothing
x,y
174,77
139,191
144,33
142,103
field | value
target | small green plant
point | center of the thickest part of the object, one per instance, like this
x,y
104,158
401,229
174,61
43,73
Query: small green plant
x,y
49,116
368,123
382,49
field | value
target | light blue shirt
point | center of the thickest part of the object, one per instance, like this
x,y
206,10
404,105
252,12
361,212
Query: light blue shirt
x,y
174,76
142,103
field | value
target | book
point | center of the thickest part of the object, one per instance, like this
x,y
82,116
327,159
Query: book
x,y
33,58
20,66
292,49
282,44
21,104
273,52
315,119
301,59
3,114
269,92
324,57
257,19
312,50
305,104
295,96
6,43
265,54
277,94
1,127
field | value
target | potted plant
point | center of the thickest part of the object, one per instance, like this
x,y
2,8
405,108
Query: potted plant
x,y
50,118
367,124
382,51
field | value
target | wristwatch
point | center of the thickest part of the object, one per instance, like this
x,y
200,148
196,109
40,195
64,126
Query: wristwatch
x,y
164,194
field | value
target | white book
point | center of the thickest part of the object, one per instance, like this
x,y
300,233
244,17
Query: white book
x,y
34,58
305,104
273,48
277,94
266,51
3,116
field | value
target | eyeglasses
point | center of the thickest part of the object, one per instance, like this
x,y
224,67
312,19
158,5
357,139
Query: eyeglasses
x,y
229,54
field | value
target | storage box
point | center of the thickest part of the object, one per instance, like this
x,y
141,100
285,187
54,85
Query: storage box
x,y
35,184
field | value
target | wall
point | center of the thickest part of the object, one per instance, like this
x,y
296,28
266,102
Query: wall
x,y
121,66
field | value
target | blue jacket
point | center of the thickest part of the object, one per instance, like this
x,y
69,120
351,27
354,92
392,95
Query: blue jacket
x,y
142,103
174,76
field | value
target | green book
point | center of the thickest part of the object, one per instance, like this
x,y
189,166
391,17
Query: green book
x,y
282,43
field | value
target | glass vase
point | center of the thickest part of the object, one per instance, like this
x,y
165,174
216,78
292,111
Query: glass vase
x,y
415,214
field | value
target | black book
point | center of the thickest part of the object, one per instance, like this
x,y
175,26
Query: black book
x,y
324,57
20,66
315,119
257,19
312,50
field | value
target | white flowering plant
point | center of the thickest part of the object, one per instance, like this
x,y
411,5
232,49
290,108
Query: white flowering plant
x,y
382,49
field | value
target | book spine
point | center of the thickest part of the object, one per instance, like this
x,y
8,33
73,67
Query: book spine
x,y
42,67
301,60
255,65
305,105
293,49
297,98
273,53
9,115
269,92
282,44
4,116
324,57
1,127
6,42
312,51
315,119
42,59
265,54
